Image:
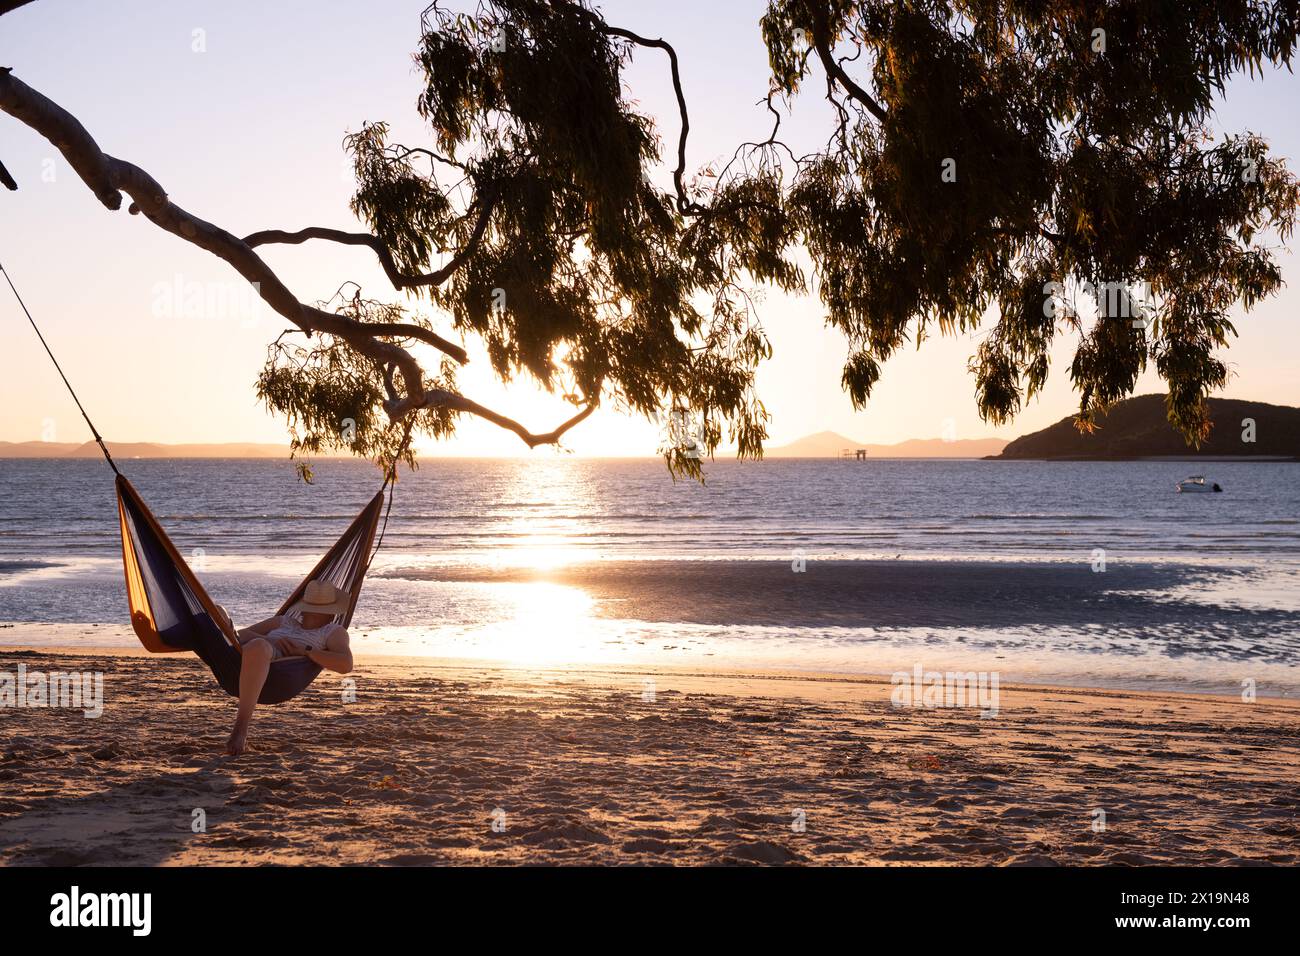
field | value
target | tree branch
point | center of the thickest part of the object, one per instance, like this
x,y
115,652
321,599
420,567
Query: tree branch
x,y
684,204
108,177
400,280
822,43
445,399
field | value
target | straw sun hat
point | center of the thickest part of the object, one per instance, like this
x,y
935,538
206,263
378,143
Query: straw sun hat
x,y
321,597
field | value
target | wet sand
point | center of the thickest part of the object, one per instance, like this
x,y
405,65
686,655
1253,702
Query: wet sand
x,y
440,762
967,594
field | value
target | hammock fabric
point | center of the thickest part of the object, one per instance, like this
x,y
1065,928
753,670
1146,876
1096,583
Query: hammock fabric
x,y
171,612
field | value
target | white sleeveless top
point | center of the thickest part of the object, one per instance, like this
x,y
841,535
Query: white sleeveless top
x,y
314,638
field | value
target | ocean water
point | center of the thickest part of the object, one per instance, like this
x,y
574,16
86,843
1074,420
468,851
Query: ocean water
x,y
461,509
470,553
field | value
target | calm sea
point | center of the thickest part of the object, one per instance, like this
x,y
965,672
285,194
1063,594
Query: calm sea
x,y
251,528
474,509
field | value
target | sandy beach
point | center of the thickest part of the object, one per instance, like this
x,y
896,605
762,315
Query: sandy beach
x,y
441,762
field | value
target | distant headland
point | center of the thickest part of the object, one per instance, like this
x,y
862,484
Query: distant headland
x,y
1137,428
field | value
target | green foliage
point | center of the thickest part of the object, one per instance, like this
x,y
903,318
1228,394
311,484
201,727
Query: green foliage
x,y
585,278
1080,157
332,396
987,160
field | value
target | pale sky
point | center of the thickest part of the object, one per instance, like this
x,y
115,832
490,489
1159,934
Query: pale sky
x,y
247,132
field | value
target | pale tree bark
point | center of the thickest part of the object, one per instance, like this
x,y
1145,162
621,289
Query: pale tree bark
x,y
109,177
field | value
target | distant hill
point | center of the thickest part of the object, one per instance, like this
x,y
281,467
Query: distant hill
x,y
821,445
830,444
119,449
1138,428
36,449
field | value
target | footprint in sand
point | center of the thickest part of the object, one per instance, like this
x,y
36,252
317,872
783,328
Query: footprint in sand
x,y
762,851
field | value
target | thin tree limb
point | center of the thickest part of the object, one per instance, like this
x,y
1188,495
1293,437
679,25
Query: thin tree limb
x,y
441,398
684,204
400,280
822,44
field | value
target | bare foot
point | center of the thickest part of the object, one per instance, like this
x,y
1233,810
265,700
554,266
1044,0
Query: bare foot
x,y
237,742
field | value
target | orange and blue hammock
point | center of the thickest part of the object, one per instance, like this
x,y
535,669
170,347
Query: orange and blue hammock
x,y
171,612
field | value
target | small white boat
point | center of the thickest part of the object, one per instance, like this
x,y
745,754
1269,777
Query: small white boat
x,y
1196,483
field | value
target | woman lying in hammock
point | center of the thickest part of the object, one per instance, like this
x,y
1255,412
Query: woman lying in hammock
x,y
306,630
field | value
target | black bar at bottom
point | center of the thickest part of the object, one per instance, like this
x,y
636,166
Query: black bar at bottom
x,y
331,906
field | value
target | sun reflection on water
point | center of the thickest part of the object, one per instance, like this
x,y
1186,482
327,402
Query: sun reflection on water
x,y
546,507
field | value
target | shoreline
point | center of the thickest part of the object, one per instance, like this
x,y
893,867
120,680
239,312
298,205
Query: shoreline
x,y
1137,626
774,682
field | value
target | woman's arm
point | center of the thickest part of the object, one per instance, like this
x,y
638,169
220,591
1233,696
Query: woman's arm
x,y
337,655
260,629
